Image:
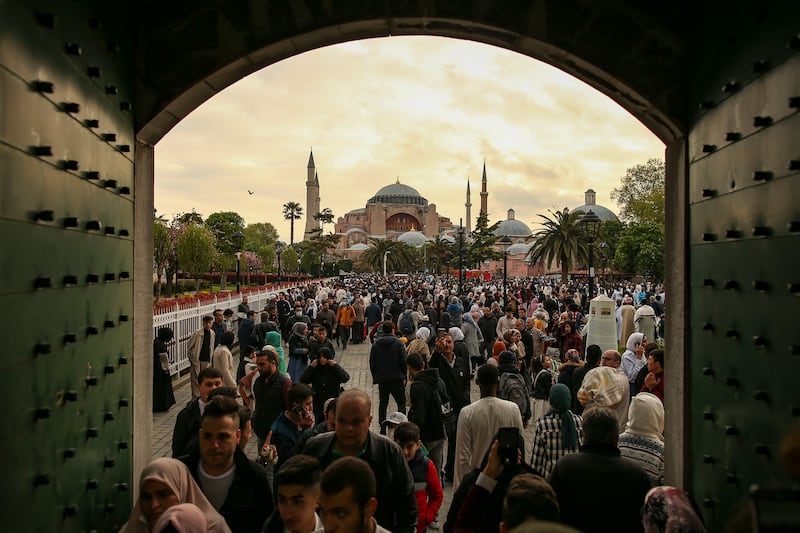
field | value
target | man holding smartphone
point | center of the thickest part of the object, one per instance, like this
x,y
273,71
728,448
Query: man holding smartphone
x,y
297,418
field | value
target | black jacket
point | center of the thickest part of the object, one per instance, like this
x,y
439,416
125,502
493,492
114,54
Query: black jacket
x,y
624,486
488,326
387,360
249,501
325,380
426,409
397,505
577,381
187,426
456,379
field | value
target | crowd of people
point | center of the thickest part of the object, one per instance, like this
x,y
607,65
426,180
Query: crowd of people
x,y
597,417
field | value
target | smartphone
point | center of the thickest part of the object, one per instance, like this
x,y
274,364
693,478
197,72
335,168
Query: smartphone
x,y
300,411
509,444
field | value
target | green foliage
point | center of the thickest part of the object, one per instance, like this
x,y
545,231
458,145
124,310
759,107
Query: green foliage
x,y
223,225
440,253
325,217
267,255
258,235
641,193
561,240
482,246
196,250
185,219
292,211
641,250
606,246
399,259
289,260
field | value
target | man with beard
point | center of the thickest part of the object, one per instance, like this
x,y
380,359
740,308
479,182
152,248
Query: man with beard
x,y
454,372
236,486
270,392
347,500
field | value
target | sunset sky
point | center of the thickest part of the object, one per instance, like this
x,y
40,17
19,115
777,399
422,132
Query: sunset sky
x,y
428,110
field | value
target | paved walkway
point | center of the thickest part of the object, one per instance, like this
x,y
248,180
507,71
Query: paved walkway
x,y
355,360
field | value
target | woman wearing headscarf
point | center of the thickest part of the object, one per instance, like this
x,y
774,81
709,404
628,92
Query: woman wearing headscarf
x,y
420,345
472,338
311,308
298,350
182,518
670,510
459,348
163,395
633,358
556,434
165,483
572,361
642,442
273,339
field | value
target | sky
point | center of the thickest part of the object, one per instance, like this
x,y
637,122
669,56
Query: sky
x,y
428,111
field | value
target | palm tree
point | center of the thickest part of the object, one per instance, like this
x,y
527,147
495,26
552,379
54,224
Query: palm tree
x,y
440,251
400,259
560,239
292,211
325,217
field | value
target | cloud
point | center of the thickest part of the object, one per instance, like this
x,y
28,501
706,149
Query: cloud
x,y
429,110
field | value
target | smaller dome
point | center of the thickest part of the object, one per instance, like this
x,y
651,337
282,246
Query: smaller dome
x,y
603,213
512,227
413,238
359,247
519,248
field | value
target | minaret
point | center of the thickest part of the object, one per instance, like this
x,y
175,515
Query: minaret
x,y
469,210
484,193
312,199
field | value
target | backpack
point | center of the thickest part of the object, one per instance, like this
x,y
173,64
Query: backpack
x,y
512,388
406,324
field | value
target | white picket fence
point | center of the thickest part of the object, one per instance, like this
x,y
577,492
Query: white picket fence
x,y
186,320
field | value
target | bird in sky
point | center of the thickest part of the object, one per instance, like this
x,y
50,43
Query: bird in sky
x,y
250,192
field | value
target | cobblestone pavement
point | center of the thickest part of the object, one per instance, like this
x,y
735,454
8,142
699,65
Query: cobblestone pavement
x,y
355,360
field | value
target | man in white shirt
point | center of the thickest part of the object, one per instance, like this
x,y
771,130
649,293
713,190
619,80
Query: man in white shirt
x,y
479,422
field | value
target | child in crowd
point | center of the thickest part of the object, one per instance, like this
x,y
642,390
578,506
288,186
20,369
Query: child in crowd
x,y
430,496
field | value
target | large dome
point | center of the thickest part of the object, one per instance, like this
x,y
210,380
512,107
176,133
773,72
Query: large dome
x,y
512,227
603,213
397,193
413,238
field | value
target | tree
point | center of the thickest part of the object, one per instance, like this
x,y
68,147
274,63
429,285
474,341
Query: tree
x,y
483,239
292,211
196,251
399,259
325,217
641,193
440,252
606,245
560,239
223,225
289,260
641,250
259,234
162,249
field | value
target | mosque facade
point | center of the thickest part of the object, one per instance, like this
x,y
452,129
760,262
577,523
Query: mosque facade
x,y
398,211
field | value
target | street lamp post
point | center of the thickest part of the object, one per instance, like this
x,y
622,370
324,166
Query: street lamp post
x,y
238,240
385,254
505,242
590,226
278,252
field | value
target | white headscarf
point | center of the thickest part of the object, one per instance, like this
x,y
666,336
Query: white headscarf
x,y
423,333
456,333
646,417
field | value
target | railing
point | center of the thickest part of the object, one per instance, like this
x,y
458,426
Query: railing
x,y
186,318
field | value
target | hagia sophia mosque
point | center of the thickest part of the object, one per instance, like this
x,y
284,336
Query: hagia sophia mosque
x,y
398,211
